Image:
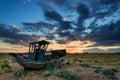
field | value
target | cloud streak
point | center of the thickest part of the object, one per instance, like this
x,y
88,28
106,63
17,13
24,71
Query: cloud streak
x,y
10,34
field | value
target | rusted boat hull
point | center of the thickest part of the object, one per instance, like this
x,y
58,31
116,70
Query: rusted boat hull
x,y
33,65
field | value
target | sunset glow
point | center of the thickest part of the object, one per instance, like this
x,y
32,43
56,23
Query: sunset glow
x,y
75,25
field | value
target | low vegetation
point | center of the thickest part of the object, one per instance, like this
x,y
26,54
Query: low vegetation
x,y
68,75
110,74
52,70
98,69
5,66
47,74
20,73
85,65
75,67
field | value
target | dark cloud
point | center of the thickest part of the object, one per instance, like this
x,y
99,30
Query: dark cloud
x,y
67,36
83,11
109,1
108,11
11,35
103,35
42,28
104,8
63,25
53,15
62,34
47,29
37,26
106,35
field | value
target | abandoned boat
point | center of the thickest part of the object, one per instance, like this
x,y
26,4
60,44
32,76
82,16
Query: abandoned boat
x,y
38,56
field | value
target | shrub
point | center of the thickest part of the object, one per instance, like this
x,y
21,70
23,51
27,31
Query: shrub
x,y
109,73
20,73
98,69
55,63
5,64
73,77
52,65
67,75
63,74
49,67
85,65
6,70
115,69
46,74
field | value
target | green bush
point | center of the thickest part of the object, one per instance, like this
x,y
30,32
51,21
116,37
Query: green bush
x,y
67,75
73,77
55,63
85,65
115,69
20,73
98,69
5,66
6,70
5,63
49,67
110,73
63,74
52,65
46,74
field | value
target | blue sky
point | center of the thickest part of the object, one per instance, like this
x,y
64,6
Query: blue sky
x,y
17,11
94,24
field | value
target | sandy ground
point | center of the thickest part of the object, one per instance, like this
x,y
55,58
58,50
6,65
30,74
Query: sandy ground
x,y
96,60
82,72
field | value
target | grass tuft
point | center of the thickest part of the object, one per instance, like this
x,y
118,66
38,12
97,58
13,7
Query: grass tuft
x,y
68,75
85,65
98,69
110,73
20,73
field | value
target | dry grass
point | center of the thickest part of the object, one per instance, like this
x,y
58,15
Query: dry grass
x,y
94,60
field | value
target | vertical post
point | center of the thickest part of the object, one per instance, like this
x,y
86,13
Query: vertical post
x,y
29,48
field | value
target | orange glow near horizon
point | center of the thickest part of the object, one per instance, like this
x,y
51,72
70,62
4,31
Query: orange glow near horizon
x,y
71,47
8,48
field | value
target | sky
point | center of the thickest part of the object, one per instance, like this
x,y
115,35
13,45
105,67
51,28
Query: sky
x,y
75,25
